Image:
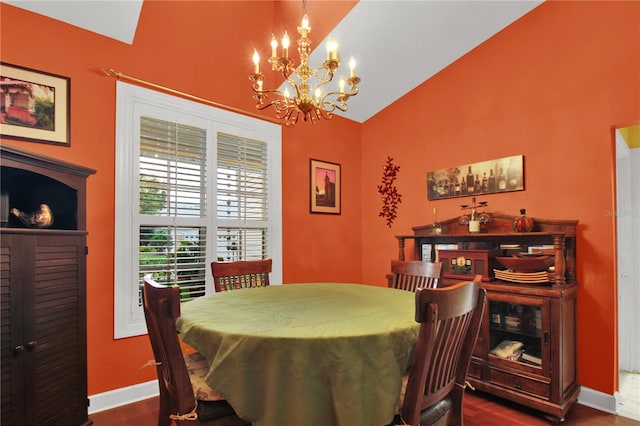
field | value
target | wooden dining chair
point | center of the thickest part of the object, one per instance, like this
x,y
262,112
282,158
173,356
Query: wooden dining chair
x,y
449,320
185,398
240,274
409,275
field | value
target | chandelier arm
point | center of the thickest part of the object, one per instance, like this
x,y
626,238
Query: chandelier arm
x,y
341,97
289,117
339,94
282,105
262,106
324,77
329,107
267,91
333,106
294,84
323,82
324,113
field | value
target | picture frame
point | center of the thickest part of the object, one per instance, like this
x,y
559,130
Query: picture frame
x,y
325,188
34,105
490,177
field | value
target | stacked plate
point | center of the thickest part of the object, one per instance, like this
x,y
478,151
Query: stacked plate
x,y
526,264
524,277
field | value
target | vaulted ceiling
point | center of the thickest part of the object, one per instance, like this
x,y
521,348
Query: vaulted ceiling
x,y
397,44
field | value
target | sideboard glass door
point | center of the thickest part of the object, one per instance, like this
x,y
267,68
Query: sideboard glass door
x,y
519,332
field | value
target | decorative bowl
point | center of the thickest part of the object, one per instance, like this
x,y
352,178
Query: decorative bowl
x,y
535,254
526,264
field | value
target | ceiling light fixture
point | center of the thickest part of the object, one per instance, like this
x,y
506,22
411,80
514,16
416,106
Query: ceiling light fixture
x,y
308,99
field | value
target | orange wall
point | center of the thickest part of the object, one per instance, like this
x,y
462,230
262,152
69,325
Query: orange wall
x,y
198,48
549,87
321,247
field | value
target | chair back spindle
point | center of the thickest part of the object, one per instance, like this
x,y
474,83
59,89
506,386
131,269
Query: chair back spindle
x,y
413,274
240,274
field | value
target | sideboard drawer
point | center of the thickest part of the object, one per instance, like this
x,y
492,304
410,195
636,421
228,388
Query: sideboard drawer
x,y
520,383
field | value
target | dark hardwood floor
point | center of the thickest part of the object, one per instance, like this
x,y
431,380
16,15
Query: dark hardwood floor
x,y
479,410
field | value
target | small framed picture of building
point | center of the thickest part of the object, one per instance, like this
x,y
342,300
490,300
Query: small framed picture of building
x,y
325,187
34,105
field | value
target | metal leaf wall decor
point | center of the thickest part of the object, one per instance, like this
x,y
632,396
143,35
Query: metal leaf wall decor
x,y
390,195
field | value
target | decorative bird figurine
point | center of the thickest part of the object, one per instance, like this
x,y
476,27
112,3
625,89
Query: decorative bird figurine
x,y
42,218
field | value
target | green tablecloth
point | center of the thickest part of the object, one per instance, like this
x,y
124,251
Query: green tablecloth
x,y
305,354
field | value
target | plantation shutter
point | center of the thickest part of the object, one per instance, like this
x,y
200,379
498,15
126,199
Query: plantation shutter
x,y
242,190
172,195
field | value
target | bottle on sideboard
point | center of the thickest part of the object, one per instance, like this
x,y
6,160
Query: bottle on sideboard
x,y
523,223
474,221
436,228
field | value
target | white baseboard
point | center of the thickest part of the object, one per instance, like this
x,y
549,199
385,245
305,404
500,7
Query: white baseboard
x,y
599,400
122,396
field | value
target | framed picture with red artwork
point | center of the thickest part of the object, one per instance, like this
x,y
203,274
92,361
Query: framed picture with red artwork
x,y
325,191
34,105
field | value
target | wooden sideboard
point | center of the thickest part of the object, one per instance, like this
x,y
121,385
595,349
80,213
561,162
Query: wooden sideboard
x,y
541,317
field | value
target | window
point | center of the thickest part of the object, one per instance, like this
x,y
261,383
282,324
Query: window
x,y
193,184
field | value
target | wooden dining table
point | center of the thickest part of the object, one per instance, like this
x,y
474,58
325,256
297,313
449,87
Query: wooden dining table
x,y
313,354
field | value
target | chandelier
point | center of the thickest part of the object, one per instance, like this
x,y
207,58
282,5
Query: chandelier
x,y
309,98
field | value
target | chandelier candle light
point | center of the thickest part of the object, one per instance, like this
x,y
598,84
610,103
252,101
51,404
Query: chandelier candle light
x,y
308,102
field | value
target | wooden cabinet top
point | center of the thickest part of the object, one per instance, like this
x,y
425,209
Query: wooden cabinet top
x,y
29,180
18,158
500,225
561,234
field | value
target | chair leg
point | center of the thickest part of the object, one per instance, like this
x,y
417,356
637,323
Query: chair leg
x,y
455,414
165,408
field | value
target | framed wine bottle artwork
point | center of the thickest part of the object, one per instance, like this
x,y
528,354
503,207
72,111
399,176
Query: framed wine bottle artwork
x,y
485,177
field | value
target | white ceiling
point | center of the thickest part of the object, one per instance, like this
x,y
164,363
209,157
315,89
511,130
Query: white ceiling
x,y
117,19
396,44
400,44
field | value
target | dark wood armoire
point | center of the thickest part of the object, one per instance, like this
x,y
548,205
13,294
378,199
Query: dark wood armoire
x,y
43,291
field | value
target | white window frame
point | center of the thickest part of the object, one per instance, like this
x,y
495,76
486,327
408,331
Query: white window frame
x,y
132,102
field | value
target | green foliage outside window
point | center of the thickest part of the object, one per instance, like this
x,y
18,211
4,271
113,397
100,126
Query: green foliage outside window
x,y
152,198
